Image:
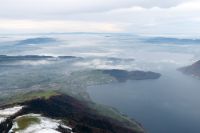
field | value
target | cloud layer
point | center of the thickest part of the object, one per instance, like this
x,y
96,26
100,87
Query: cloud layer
x,y
135,16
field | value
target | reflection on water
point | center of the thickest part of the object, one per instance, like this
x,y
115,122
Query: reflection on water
x,y
168,105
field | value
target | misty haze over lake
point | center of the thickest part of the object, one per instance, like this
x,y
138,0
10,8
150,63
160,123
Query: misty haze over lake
x,y
165,105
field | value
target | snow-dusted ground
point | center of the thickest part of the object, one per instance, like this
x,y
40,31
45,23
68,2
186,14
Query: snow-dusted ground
x,y
2,119
10,111
46,125
4,113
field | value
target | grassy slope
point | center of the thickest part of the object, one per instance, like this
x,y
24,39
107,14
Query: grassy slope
x,y
25,121
116,115
29,96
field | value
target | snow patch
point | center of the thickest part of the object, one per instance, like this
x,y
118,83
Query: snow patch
x,y
10,111
46,125
2,119
5,113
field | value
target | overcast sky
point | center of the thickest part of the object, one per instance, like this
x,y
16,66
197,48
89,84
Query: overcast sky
x,y
151,17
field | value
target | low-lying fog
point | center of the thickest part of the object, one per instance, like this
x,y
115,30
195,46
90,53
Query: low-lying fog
x,y
166,105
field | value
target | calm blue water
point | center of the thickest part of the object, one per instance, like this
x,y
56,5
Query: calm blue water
x,y
168,105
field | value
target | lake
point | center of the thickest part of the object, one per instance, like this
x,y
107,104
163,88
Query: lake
x,y
167,105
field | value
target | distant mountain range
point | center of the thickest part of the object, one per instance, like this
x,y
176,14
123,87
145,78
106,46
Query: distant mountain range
x,y
38,40
193,69
169,40
6,58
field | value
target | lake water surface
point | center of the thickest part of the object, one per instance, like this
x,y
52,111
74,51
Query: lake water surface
x,y
167,105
